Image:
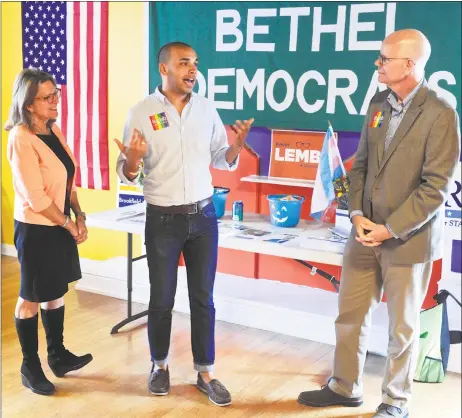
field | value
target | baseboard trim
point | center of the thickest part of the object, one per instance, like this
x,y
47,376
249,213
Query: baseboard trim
x,y
254,303
9,250
261,304
258,304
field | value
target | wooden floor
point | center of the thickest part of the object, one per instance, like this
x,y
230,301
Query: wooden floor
x,y
264,371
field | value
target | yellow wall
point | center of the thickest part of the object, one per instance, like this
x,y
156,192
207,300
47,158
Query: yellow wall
x,y
126,87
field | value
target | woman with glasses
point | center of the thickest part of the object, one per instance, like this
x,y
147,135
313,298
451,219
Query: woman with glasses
x,y
45,236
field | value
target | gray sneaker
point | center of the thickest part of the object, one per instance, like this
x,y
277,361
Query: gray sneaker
x,y
215,390
388,411
159,382
327,397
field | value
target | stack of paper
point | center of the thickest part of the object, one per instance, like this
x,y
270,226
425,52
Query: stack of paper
x,y
332,243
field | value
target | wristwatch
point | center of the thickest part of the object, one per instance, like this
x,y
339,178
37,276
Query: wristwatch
x,y
82,214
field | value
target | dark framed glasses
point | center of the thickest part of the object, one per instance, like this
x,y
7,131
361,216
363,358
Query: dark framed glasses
x,y
383,60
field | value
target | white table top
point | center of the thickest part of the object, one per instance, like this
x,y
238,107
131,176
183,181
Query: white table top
x,y
307,242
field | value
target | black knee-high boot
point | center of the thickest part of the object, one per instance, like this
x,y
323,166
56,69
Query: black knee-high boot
x,y
31,370
60,360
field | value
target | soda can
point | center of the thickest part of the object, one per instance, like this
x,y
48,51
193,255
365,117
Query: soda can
x,y
238,210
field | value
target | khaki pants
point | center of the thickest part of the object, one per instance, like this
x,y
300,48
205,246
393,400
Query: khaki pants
x,y
367,272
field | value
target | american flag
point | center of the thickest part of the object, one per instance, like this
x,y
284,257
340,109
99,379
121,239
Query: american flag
x,y
70,41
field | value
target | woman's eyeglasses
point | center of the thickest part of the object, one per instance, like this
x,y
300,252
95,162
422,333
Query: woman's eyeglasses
x,y
51,97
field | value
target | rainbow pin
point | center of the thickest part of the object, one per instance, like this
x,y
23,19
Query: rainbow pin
x,y
159,121
377,120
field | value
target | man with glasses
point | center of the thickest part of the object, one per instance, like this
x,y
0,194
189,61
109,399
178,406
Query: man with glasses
x,y
408,151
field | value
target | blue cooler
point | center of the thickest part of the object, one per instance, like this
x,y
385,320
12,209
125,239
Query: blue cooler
x,y
219,200
285,213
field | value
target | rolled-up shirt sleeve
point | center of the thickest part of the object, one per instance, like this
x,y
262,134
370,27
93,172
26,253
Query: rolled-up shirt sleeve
x,y
130,124
27,175
219,145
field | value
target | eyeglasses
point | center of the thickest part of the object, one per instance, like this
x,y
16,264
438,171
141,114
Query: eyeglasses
x,y
383,60
51,97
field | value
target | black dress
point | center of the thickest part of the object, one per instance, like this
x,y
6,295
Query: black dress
x,y
48,254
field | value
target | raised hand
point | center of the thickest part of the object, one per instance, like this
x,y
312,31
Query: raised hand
x,y
241,129
136,148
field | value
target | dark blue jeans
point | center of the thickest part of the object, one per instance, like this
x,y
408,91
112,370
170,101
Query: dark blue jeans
x,y
167,236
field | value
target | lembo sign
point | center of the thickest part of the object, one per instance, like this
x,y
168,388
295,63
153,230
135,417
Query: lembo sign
x,y
295,154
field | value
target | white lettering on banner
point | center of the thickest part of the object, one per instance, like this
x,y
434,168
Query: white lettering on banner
x,y
285,104
390,18
297,155
356,26
371,91
228,29
432,83
214,89
333,91
294,13
309,75
450,79
202,91
257,83
228,24
337,28
254,29
229,20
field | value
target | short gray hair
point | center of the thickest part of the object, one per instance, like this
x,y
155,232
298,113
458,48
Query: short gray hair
x,y
25,89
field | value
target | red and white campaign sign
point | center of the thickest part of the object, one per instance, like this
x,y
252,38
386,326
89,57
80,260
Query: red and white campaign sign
x,y
295,154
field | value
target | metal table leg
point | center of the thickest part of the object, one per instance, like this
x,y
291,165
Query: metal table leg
x,y
130,260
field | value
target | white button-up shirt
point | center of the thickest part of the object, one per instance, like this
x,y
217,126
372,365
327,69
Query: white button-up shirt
x,y
180,149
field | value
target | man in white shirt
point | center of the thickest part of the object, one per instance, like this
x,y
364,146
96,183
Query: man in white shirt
x,y
177,135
